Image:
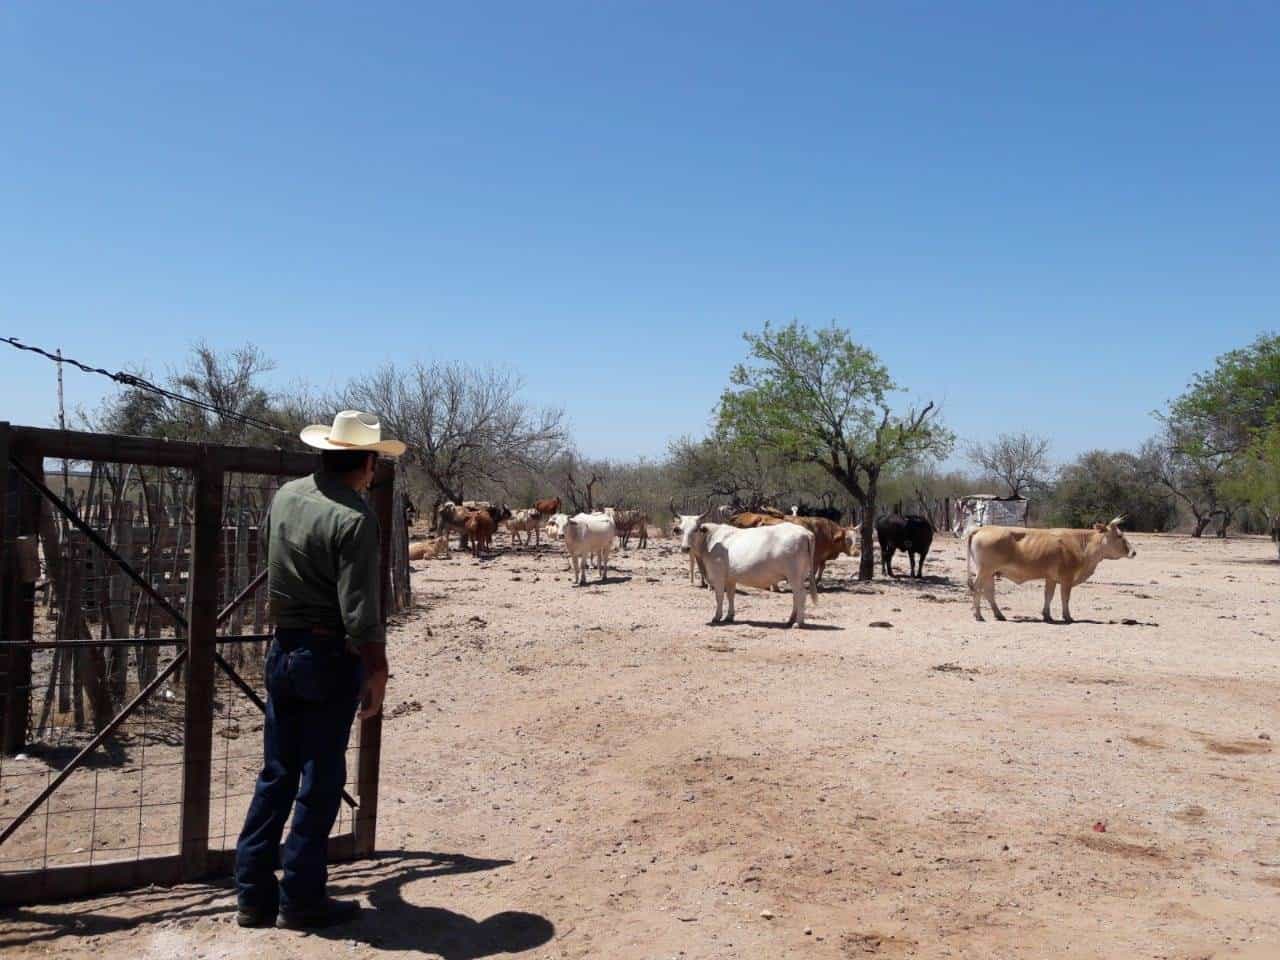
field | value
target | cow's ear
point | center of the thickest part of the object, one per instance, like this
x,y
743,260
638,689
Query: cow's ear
x,y
1100,527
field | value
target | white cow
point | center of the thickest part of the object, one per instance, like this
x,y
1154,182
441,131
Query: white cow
x,y
555,526
588,535
757,557
683,526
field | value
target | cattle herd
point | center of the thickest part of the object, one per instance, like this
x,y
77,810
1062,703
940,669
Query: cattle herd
x,y
766,548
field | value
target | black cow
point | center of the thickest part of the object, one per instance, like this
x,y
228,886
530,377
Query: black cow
x,y
812,510
911,533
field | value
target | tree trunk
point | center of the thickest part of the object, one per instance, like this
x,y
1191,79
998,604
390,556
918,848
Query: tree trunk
x,y
1201,523
867,562
867,559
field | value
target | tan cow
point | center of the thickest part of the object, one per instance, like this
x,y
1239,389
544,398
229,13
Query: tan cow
x,y
1065,557
432,548
528,522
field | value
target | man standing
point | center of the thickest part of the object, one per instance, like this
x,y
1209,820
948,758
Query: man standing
x,y
329,655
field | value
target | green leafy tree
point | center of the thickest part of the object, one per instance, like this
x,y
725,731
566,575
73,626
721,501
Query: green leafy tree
x,y
1101,484
1225,409
1257,481
817,397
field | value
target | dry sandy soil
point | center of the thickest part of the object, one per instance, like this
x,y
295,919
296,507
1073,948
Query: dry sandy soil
x,y
598,773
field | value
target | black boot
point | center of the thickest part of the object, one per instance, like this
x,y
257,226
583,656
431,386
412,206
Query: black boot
x,y
328,913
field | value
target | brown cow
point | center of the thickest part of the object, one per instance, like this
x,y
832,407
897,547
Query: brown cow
x,y
480,526
627,522
1066,557
547,507
832,540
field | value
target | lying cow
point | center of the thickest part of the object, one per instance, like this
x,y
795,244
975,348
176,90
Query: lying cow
x,y
758,557
587,536
1065,557
912,534
432,548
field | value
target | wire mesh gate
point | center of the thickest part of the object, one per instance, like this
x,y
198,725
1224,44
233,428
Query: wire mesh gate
x,y
130,709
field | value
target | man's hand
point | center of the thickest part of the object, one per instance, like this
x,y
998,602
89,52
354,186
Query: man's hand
x,y
374,658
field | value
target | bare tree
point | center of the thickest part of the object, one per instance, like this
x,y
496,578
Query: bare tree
x,y
1196,476
581,495
1018,460
464,425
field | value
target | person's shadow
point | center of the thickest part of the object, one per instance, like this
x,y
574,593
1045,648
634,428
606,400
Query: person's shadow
x,y
395,924
392,924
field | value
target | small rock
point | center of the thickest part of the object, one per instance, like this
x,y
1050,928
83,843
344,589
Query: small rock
x,y
767,914
1264,736
884,624
808,931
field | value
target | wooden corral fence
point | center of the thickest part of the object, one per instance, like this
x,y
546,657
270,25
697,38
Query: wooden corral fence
x,y
112,778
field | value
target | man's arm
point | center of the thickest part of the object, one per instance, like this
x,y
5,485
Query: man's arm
x,y
359,599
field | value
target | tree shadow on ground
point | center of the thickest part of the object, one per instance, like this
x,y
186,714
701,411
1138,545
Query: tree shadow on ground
x,y
393,924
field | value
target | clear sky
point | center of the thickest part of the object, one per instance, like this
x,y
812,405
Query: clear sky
x,y
1046,216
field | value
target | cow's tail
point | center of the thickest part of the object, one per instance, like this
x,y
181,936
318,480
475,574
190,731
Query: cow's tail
x,y
813,567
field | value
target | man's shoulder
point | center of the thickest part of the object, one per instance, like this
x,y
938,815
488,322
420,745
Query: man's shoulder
x,y
345,504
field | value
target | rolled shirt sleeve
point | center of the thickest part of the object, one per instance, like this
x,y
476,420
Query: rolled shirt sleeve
x,y
359,582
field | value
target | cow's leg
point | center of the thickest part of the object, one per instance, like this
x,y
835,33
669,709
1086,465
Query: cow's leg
x,y
797,602
989,588
1049,587
886,558
719,605
975,594
731,589
604,565
1066,602
691,565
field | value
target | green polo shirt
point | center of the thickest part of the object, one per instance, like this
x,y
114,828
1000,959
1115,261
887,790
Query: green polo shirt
x,y
323,559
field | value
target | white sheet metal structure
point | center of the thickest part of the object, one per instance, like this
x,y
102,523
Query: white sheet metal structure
x,y
986,509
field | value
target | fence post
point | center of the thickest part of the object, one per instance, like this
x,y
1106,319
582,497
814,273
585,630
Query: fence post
x,y
370,758
202,617
19,517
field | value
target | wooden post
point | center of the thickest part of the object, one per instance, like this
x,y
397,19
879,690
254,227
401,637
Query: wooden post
x,y
370,756
201,637
19,516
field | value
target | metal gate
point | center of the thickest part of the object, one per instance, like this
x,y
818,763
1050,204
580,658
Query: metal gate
x,y
128,710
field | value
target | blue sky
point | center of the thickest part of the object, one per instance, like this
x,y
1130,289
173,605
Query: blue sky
x,y
1047,217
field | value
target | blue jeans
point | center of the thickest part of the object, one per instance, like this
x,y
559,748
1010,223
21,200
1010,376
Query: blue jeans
x,y
313,688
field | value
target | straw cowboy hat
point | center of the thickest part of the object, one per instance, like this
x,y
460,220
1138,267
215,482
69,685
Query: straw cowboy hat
x,y
352,430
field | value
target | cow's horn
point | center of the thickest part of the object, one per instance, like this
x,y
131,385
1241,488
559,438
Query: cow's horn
x,y
1118,520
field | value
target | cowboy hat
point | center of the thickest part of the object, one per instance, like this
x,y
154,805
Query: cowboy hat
x,y
351,430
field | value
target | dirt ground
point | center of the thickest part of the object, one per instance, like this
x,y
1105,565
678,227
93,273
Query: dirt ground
x,y
596,772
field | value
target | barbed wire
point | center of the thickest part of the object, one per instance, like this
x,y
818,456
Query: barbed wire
x,y
141,383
